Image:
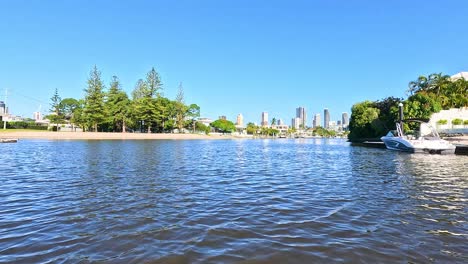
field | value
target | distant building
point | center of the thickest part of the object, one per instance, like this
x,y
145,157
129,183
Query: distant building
x,y
326,118
205,121
316,122
301,114
240,120
37,116
296,123
280,122
283,129
264,119
3,109
222,118
345,120
332,125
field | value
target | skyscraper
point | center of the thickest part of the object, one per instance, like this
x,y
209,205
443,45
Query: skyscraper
x,y
345,120
316,120
326,118
280,122
301,114
240,120
296,123
264,119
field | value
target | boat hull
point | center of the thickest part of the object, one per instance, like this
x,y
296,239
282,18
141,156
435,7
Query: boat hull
x,y
419,146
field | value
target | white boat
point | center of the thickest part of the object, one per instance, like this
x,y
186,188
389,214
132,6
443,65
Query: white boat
x,y
426,141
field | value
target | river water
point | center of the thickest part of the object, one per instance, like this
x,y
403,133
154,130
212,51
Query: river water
x,y
225,201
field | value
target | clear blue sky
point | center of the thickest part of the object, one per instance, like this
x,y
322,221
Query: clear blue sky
x,y
231,56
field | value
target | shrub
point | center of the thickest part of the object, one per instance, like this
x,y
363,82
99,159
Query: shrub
x,y
25,125
465,122
442,122
457,121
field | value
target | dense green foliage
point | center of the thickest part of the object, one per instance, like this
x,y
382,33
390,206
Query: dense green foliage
x,y
323,132
428,95
224,126
25,125
114,111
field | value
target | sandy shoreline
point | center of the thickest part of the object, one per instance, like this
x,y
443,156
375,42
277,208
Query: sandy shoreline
x,y
105,136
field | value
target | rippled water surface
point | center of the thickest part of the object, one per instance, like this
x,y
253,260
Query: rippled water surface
x,y
265,201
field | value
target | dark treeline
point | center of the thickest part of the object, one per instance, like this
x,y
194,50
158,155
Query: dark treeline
x,y
427,95
112,110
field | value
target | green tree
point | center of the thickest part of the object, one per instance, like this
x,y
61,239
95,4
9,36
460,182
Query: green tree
x,y
165,114
140,90
146,104
180,108
251,128
363,118
78,117
421,105
94,100
69,105
56,109
145,111
193,112
153,83
224,126
273,121
202,128
117,106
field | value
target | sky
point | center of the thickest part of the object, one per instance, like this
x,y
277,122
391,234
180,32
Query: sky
x,y
231,56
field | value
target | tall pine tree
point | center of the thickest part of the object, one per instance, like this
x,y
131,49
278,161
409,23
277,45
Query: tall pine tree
x,y
145,98
56,110
117,106
94,100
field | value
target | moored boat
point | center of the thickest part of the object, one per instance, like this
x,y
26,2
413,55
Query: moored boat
x,y
427,140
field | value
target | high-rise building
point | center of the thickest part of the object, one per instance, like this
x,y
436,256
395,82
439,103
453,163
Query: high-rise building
x,y
316,122
280,122
301,114
345,120
240,120
264,119
326,118
296,123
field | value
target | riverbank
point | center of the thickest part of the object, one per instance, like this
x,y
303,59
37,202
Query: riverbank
x,y
105,136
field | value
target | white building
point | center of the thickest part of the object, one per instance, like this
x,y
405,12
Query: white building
x,y
296,123
205,121
37,116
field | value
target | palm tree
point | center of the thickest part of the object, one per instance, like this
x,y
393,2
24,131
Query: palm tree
x,y
421,84
438,82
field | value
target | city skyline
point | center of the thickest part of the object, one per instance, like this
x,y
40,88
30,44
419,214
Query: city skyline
x,y
261,56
